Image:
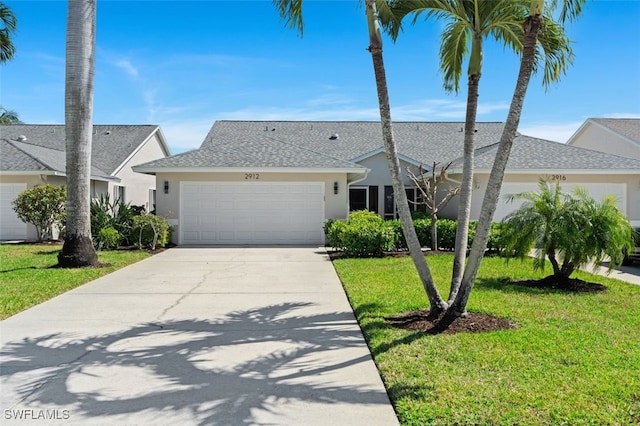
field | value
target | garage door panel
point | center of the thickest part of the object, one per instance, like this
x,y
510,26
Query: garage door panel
x,y
252,213
11,227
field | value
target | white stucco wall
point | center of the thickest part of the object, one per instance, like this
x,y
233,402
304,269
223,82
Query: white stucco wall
x,y
632,183
599,139
138,184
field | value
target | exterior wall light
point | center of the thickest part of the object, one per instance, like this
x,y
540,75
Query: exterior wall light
x,y
166,186
335,187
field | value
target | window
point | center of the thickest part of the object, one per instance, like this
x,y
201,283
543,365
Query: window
x,y
357,199
119,194
152,201
390,210
373,199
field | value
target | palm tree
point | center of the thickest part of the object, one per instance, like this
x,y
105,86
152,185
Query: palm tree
x,y
8,116
291,11
79,78
9,25
542,38
469,22
549,221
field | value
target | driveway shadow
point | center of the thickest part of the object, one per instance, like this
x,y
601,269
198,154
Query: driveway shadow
x,y
214,372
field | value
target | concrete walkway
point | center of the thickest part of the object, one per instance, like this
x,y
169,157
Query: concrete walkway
x,y
195,336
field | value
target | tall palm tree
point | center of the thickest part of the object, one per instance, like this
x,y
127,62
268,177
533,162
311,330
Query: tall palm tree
x,y
291,11
79,79
542,38
469,22
9,25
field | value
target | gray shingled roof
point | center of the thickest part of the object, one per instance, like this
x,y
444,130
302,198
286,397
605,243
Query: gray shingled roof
x,y
537,154
322,143
20,156
425,142
626,127
111,146
256,150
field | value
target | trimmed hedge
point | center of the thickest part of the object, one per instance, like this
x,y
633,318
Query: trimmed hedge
x,y
366,234
363,234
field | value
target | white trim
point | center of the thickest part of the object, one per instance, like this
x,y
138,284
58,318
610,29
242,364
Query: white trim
x,y
375,152
246,169
55,173
558,170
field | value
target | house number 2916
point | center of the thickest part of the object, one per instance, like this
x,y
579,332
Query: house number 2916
x,y
558,177
251,176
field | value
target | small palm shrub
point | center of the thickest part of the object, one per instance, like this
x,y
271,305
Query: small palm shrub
x,y
112,214
570,230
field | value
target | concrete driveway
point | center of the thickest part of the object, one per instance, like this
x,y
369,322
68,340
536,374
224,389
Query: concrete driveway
x,y
195,336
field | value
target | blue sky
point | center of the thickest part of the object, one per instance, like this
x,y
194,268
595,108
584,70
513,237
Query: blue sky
x,y
184,64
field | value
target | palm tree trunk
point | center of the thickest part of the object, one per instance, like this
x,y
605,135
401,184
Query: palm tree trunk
x,y
466,187
437,304
78,249
490,201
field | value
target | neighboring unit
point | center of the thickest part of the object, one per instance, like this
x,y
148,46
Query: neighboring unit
x,y
277,182
619,136
35,154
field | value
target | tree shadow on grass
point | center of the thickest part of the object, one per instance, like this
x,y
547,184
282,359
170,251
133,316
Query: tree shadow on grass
x,y
213,372
549,284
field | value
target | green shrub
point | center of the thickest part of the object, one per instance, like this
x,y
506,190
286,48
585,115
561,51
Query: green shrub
x,y
151,231
333,231
108,239
423,229
494,243
43,206
363,234
117,215
447,234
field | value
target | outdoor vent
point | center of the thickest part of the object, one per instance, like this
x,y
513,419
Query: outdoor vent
x,y
108,132
334,136
22,138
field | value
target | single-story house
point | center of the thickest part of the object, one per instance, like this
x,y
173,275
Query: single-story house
x,y
277,182
620,136
35,154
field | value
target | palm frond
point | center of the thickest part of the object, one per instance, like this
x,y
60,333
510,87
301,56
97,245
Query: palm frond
x,y
291,12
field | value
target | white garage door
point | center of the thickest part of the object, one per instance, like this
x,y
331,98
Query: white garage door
x,y
252,213
11,228
596,190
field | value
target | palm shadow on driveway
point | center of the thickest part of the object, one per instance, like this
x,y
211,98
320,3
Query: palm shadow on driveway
x,y
244,369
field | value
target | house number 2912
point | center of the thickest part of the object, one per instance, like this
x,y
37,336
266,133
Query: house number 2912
x,y
251,176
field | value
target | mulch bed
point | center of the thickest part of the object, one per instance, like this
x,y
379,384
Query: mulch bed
x,y
474,322
571,285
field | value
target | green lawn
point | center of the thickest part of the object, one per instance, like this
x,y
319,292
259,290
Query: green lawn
x,y
27,277
574,358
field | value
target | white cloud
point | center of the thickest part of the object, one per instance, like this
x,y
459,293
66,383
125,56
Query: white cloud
x,y
128,68
185,135
623,115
